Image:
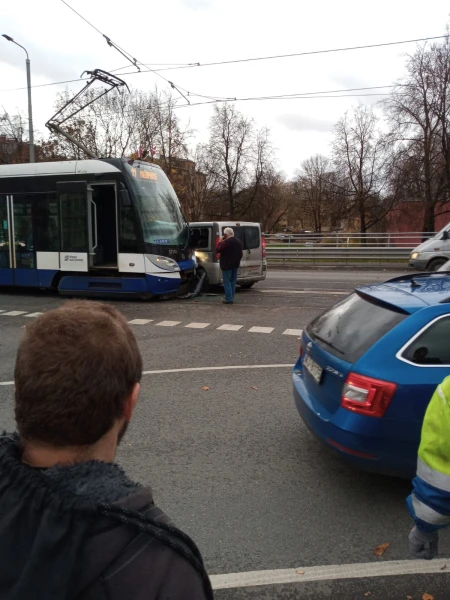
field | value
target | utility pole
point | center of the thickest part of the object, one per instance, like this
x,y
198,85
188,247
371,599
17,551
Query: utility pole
x,y
30,111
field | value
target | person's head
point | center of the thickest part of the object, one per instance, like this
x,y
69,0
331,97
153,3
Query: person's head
x,y
228,231
77,377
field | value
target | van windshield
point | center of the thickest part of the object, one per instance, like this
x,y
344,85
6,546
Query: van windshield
x,y
353,326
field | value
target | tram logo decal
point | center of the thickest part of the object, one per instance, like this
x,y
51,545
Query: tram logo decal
x,y
70,258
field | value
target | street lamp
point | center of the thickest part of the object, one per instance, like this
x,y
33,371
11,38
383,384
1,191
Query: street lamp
x,y
30,113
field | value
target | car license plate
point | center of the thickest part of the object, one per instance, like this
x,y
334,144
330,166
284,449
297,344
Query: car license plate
x,y
313,368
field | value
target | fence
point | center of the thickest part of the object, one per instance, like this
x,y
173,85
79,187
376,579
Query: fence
x,y
343,248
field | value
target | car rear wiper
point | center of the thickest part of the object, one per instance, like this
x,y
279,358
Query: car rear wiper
x,y
328,343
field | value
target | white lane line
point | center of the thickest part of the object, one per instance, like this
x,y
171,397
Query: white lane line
x,y
196,369
14,313
31,315
198,325
2,310
318,293
168,323
330,572
230,327
293,332
260,330
140,321
193,369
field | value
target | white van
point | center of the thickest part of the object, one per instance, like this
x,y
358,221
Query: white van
x,y
204,239
433,253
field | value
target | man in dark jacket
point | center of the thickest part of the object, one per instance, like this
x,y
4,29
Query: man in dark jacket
x,y
230,250
73,526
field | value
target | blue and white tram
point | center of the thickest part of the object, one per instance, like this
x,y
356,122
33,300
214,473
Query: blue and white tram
x,y
93,227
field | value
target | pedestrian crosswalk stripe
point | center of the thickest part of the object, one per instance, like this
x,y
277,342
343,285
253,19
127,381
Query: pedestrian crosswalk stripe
x,y
198,325
140,321
14,313
260,329
168,323
293,332
36,314
230,327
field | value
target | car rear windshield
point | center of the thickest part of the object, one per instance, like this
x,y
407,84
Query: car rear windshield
x,y
248,235
351,327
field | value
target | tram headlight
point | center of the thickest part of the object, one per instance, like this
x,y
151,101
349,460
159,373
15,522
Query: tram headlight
x,y
163,262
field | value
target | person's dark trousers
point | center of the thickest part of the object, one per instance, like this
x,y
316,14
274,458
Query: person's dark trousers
x,y
229,284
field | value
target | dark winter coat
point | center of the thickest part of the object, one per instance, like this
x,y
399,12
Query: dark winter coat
x,y
230,251
86,532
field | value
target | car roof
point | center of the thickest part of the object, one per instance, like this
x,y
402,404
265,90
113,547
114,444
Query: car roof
x,y
411,292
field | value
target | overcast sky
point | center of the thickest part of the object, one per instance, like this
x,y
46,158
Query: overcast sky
x,y
61,46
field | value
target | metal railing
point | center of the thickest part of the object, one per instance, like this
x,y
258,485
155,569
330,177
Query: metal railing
x,y
343,248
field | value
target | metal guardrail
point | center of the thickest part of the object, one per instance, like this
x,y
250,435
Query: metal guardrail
x,y
338,240
343,248
338,255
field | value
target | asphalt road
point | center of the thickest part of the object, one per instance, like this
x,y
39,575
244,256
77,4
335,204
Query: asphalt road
x,y
234,465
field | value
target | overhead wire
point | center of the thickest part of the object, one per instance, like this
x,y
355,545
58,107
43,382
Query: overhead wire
x,y
225,62
137,63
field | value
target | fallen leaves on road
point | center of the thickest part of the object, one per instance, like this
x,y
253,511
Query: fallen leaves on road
x,y
427,597
205,388
299,571
368,594
443,568
381,549
409,598
254,387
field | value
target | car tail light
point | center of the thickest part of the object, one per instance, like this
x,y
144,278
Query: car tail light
x,y
217,243
367,396
264,253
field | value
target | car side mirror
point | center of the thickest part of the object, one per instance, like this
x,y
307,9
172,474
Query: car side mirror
x,y
445,235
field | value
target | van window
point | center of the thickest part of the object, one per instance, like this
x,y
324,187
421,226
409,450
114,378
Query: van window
x,y
353,326
248,235
200,238
432,346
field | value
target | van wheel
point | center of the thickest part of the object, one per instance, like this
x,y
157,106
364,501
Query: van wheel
x,y
436,264
248,285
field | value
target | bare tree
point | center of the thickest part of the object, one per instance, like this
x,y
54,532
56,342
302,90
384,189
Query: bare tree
x,y
359,154
418,114
13,142
231,152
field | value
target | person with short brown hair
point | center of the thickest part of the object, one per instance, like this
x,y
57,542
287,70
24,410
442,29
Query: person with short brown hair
x,y
72,524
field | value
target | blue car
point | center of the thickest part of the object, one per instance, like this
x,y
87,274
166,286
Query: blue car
x,y
369,366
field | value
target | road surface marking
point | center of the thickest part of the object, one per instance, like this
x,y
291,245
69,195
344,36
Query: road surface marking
x,y
327,573
140,321
318,293
14,313
36,314
167,323
293,332
198,325
196,369
2,311
260,330
230,327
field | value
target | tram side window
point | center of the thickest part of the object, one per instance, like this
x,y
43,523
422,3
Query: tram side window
x,y
128,238
46,223
36,226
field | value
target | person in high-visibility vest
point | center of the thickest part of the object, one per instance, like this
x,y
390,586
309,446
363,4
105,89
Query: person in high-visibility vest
x,y
429,503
